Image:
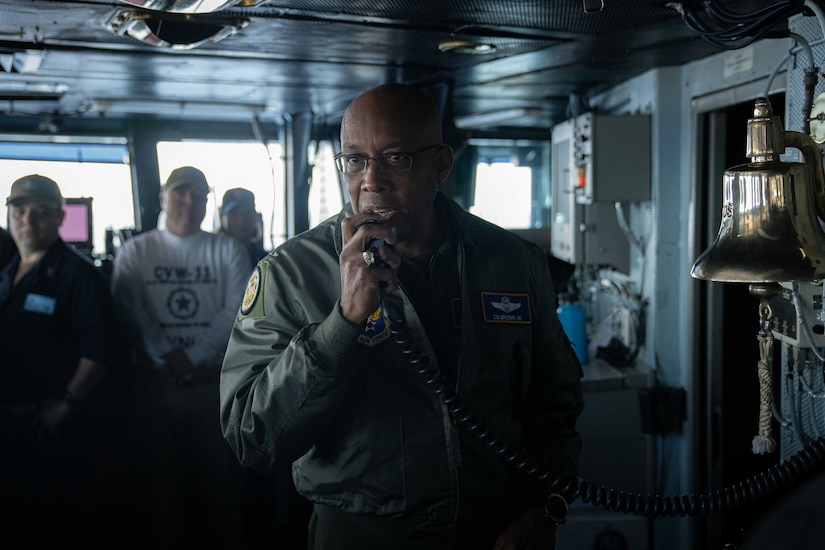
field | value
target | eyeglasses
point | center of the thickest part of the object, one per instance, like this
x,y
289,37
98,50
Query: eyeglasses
x,y
396,161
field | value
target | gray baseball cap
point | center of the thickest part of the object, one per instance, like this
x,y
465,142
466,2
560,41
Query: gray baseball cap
x,y
237,196
187,175
35,188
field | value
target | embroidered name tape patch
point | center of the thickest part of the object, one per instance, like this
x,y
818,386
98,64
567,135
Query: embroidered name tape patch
x,y
506,308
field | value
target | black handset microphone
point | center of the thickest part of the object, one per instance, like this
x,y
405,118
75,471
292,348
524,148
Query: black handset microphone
x,y
374,244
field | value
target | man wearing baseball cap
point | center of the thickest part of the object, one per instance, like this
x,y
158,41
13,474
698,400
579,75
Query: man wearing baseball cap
x,y
179,288
35,188
59,335
240,220
183,199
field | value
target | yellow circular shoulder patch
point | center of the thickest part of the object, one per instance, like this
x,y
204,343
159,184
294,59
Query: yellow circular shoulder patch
x,y
251,294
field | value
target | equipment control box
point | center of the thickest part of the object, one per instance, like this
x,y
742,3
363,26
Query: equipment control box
x,y
611,158
597,161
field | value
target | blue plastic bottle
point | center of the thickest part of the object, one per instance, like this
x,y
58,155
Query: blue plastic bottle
x,y
574,321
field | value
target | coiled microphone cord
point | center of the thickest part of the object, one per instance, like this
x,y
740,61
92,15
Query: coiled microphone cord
x,y
776,478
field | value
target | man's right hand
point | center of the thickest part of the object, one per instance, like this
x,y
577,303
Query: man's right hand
x,y
361,284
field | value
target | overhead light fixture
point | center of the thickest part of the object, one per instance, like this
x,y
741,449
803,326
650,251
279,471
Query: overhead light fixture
x,y
175,32
494,118
191,6
23,86
175,109
466,47
18,90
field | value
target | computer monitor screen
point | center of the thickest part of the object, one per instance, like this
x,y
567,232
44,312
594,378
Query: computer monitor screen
x,y
77,223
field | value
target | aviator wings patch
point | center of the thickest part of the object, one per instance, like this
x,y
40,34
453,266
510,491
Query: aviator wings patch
x,y
501,307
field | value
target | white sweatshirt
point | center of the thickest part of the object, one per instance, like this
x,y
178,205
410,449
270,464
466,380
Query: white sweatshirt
x,y
181,292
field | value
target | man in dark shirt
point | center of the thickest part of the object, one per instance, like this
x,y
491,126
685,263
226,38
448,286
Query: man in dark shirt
x,y
58,336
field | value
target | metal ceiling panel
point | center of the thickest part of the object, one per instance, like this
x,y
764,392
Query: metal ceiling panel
x,y
315,56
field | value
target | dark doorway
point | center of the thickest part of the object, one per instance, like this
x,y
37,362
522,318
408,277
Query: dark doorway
x,y
728,396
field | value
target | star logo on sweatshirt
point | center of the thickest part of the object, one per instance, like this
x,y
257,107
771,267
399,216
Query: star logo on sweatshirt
x,y
182,303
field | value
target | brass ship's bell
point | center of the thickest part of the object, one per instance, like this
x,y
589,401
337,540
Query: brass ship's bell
x,y
770,230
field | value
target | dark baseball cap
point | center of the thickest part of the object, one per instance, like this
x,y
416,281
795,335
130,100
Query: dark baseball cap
x,y
35,188
187,175
237,197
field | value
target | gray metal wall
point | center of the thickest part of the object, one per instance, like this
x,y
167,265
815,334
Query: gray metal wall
x,y
674,97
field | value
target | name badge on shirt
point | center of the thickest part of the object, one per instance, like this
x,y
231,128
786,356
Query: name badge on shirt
x,y
37,303
506,308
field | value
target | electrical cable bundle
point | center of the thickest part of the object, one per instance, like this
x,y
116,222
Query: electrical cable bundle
x,y
730,31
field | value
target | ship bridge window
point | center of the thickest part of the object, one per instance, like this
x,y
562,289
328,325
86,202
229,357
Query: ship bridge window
x,y
250,165
511,183
99,171
258,168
